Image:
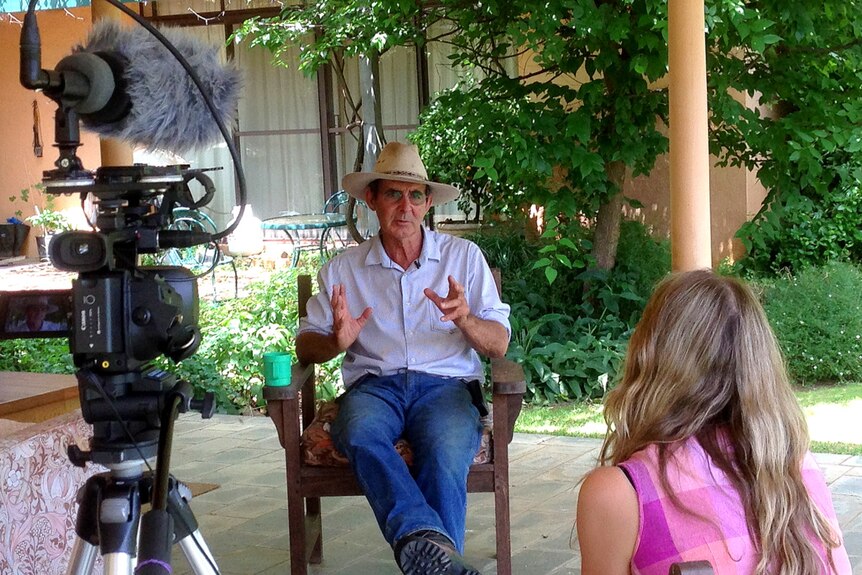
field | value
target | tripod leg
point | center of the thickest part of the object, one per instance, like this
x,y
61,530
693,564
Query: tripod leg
x,y
87,542
186,531
83,558
108,514
198,554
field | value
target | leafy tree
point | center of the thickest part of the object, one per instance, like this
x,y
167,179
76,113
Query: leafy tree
x,y
803,62
585,113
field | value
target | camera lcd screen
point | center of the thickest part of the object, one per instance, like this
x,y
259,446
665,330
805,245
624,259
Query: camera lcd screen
x,y
36,313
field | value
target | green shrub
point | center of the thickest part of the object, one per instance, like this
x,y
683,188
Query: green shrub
x,y
236,334
571,335
505,247
37,355
802,231
644,260
566,358
817,318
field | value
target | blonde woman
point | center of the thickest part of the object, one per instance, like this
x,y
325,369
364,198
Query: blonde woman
x,y
707,454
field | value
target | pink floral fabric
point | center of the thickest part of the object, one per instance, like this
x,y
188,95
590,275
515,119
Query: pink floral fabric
x,y
38,485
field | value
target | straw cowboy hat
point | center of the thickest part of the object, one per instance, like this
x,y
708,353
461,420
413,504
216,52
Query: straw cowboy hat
x,y
42,303
399,162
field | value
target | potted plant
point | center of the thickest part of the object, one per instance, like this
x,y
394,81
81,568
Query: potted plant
x,y
47,217
13,234
51,222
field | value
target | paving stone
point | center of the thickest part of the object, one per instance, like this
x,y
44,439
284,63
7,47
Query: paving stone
x,y
847,485
244,520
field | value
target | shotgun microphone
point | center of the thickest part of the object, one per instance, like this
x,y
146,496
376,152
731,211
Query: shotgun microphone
x,y
125,84
161,90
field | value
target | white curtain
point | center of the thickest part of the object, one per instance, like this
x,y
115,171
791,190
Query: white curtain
x,y
279,124
283,167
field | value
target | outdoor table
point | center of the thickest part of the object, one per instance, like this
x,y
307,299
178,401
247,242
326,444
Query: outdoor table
x,y
299,222
36,397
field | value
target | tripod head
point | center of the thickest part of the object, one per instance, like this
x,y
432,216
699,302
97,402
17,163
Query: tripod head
x,y
124,315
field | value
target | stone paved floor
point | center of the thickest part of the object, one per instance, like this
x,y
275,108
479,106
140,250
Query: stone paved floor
x,y
244,521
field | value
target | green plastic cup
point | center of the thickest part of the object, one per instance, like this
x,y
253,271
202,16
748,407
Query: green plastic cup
x,y
276,367
281,382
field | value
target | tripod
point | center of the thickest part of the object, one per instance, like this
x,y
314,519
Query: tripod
x,y
109,514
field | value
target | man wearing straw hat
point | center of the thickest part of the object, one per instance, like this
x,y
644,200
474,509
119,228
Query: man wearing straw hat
x,y
36,310
412,309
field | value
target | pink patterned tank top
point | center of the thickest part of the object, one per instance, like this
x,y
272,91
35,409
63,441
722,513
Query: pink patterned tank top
x,y
669,534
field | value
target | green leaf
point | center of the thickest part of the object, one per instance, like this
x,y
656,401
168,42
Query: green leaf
x,y
483,162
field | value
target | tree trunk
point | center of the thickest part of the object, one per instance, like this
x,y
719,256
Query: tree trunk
x,y
607,234
369,84
372,140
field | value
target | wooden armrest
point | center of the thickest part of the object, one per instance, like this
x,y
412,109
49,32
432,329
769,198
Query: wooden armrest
x,y
284,405
509,387
299,376
508,377
691,568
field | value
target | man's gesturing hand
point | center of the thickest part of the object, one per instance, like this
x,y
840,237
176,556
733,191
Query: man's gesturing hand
x,y
345,327
454,305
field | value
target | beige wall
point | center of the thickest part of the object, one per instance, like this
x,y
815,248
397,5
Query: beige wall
x,y
735,196
735,193
19,167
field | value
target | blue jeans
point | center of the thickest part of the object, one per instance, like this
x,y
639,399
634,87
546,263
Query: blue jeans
x,y
436,416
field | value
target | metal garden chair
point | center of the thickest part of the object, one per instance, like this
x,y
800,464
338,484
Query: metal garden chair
x,y
201,258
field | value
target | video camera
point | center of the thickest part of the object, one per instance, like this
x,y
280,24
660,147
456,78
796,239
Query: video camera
x,y
120,316
137,85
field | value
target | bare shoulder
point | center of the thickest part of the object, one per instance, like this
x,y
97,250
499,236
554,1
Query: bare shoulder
x,y
606,483
608,522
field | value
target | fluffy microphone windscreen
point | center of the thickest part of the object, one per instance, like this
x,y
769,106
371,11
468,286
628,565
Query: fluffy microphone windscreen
x,y
167,109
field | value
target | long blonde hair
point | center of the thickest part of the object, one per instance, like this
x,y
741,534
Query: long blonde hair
x,y
704,362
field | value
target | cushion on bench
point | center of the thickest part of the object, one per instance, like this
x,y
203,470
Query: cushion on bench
x,y
318,450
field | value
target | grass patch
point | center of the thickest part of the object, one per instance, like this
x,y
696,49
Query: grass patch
x,y
576,419
833,413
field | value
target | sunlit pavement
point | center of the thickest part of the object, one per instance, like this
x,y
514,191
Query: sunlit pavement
x,y
244,520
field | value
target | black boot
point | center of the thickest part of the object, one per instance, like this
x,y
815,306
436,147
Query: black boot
x,y
430,553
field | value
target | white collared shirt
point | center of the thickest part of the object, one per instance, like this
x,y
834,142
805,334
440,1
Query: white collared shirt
x,y
404,330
